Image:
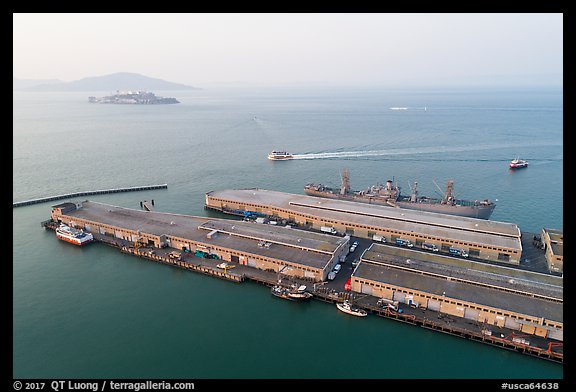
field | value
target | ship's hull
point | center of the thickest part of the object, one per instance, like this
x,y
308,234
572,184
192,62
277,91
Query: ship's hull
x,y
281,293
73,240
478,212
475,211
300,296
350,197
351,312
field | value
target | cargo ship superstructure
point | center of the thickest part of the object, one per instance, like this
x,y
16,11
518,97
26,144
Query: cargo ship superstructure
x,y
389,195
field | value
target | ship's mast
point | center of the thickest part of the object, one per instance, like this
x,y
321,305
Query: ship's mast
x,y
448,195
345,188
414,196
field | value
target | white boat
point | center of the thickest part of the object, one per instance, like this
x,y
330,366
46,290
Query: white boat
x,y
518,163
280,156
347,307
74,236
299,292
292,294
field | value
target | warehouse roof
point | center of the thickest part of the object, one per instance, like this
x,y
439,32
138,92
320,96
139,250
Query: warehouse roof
x,y
440,286
291,245
509,278
470,230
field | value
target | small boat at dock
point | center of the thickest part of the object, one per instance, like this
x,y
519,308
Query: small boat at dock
x,y
299,292
280,292
347,307
294,293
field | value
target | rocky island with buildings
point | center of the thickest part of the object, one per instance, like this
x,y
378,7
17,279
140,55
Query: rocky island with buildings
x,y
134,98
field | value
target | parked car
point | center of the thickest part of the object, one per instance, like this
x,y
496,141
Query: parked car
x,y
394,308
337,268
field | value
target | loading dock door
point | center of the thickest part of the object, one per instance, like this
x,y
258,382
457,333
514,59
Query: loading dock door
x,y
399,296
366,289
557,334
434,305
512,323
251,262
471,314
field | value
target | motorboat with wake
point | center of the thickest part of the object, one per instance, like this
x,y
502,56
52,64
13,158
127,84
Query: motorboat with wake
x,y
518,163
280,156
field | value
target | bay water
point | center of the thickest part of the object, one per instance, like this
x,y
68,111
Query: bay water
x,y
93,312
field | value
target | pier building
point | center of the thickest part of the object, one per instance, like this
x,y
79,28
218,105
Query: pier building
x,y
553,242
481,239
526,301
297,253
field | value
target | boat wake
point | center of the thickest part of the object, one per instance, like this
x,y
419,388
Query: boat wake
x,y
401,151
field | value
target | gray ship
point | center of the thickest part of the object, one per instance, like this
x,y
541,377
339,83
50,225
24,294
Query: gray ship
x,y
133,98
389,195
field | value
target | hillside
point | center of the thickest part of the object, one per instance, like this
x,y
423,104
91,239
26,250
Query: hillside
x,y
123,81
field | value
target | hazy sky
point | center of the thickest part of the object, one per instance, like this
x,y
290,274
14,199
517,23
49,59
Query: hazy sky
x,y
268,49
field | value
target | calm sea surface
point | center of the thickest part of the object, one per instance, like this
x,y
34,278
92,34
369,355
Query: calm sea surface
x,y
97,313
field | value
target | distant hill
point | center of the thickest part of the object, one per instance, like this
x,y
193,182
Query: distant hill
x,y
22,84
122,81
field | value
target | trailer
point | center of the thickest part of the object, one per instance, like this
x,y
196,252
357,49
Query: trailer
x,y
327,229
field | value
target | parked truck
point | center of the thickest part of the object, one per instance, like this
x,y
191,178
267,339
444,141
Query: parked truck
x,y
401,242
431,247
379,238
458,252
175,255
327,229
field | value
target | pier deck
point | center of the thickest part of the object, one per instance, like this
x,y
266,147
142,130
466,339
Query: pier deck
x,y
488,334
86,193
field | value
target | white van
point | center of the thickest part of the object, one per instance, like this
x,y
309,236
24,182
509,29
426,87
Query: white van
x,y
431,247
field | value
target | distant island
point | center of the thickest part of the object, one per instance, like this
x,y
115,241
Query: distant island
x,y
120,81
133,98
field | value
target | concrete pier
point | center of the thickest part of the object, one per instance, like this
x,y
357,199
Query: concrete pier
x,y
268,253
86,193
